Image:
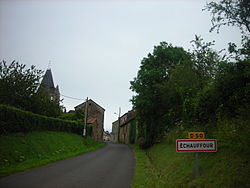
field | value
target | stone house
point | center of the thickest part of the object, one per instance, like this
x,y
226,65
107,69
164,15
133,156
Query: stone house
x,y
114,133
106,136
95,116
121,133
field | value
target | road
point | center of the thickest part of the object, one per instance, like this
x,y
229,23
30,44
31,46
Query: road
x,y
108,167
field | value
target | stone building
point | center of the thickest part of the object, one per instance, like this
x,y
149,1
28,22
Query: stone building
x,y
114,133
47,85
121,133
106,136
95,116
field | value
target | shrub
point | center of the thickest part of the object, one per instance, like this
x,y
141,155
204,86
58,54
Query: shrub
x,y
14,120
132,132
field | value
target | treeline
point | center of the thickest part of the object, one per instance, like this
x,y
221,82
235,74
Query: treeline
x,y
25,107
19,87
195,88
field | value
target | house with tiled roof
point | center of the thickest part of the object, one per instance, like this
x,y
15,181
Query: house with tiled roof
x,y
95,116
121,128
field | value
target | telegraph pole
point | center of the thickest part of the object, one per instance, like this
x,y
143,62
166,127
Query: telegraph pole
x,y
119,123
85,117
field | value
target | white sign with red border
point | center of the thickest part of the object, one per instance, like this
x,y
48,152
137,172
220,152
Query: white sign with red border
x,y
196,145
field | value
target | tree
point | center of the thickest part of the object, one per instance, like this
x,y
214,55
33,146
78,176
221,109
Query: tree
x,y
19,88
228,95
154,71
77,115
205,59
230,13
42,104
233,13
17,84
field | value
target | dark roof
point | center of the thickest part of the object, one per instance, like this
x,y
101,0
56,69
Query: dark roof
x,y
130,116
90,100
71,111
47,81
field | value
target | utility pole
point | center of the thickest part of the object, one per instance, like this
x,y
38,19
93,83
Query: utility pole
x,y
119,123
85,117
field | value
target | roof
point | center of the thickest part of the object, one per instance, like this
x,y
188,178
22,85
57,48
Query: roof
x,y
47,81
125,118
90,100
91,120
71,111
130,115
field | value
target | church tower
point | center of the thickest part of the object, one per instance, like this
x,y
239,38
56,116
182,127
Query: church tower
x,y
47,85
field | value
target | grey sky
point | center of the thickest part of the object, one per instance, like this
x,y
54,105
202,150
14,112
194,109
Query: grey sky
x,y
95,47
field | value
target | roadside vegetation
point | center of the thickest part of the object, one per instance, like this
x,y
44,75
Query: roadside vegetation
x,y
21,151
203,90
161,166
33,129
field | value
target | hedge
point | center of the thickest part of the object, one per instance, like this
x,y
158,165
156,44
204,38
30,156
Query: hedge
x,y
14,120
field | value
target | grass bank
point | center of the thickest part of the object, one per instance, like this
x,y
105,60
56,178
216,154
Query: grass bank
x,y
162,167
23,151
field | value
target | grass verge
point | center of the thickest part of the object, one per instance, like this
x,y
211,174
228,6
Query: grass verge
x,y
162,167
23,151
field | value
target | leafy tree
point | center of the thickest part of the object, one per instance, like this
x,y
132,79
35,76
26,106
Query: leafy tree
x,y
233,13
228,95
230,13
154,71
186,82
205,59
42,104
19,88
77,115
17,84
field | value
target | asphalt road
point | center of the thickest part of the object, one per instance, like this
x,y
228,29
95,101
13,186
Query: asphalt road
x,y
109,167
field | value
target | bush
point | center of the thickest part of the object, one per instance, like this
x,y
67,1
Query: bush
x,y
132,132
14,120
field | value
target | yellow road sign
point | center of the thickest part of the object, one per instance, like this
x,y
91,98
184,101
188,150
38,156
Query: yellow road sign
x,y
196,135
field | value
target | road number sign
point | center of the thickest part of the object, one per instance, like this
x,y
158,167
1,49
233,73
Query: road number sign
x,y
196,135
196,145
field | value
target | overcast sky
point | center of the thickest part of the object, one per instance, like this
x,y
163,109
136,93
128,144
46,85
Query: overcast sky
x,y
95,47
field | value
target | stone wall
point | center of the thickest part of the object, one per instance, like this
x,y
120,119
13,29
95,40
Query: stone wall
x,y
114,137
94,111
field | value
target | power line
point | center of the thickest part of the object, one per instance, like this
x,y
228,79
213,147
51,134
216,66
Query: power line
x,y
72,97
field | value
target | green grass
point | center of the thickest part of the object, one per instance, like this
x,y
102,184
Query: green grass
x,y
21,151
145,173
162,167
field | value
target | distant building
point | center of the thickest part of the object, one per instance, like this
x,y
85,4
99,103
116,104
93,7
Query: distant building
x,y
71,111
95,116
114,134
121,133
106,136
47,85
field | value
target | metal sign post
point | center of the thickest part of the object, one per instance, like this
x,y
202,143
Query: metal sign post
x,y
196,164
85,117
196,145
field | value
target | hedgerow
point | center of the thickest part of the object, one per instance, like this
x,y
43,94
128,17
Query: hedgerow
x,y
14,120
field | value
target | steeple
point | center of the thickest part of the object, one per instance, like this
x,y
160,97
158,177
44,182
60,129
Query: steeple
x,y
47,82
47,85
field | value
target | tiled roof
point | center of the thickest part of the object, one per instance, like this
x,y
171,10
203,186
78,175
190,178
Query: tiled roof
x,y
91,120
89,101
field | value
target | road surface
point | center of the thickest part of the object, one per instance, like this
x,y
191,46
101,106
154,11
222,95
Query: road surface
x,y
109,167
